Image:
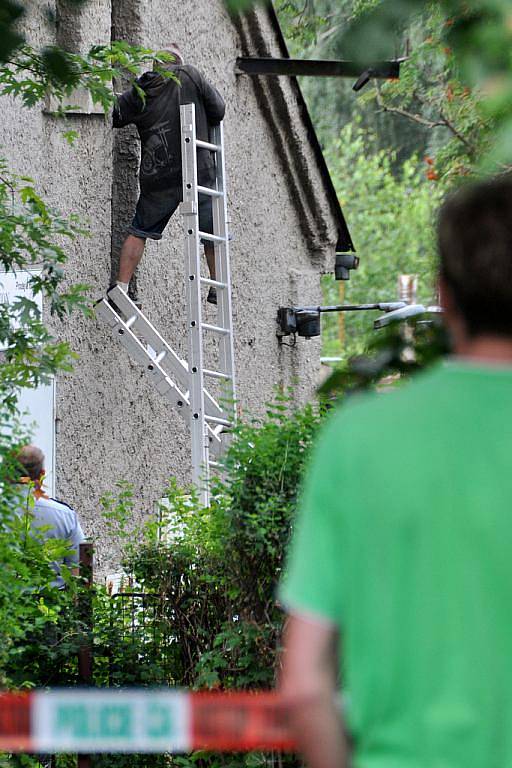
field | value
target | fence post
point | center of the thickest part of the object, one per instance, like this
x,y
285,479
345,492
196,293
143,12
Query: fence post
x,y
85,613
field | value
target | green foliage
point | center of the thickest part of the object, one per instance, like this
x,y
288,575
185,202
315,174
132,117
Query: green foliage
x,y
301,24
200,609
393,151
394,354
10,38
236,6
431,94
32,75
39,631
32,235
391,218
212,573
246,526
32,238
308,23
464,46
430,109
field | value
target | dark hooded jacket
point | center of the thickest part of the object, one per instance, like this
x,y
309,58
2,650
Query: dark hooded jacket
x,y
157,118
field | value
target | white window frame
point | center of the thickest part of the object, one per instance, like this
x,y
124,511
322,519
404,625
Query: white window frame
x,y
14,285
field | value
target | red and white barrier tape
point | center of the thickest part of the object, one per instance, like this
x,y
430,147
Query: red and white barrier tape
x,y
141,720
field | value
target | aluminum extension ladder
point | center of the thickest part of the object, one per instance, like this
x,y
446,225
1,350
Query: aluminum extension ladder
x,y
202,420
182,383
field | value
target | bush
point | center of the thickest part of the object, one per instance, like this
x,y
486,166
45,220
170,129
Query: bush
x,y
215,570
201,611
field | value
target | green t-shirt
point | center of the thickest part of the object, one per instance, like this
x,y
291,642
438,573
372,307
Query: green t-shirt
x,y
404,542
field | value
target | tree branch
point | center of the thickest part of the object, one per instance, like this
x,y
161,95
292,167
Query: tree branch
x,y
10,186
457,134
441,122
411,116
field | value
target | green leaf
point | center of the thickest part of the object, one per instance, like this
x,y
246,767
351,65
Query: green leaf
x,y
237,6
60,65
11,13
70,136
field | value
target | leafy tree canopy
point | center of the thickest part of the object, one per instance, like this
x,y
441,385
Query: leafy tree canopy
x,y
474,37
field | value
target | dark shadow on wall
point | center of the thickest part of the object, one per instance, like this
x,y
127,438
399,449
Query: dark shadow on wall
x,y
69,28
126,23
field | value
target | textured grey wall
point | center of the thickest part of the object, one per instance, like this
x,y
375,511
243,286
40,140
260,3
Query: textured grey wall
x,y
111,424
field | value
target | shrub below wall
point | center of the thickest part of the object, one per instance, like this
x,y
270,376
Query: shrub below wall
x,y
203,611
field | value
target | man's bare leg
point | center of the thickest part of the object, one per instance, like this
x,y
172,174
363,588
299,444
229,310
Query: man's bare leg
x,y
131,254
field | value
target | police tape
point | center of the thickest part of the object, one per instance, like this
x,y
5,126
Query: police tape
x,y
142,720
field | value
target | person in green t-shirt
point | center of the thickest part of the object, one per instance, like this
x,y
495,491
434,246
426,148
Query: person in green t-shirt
x,y
399,581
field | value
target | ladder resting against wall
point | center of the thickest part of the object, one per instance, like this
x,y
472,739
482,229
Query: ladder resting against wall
x,y
180,382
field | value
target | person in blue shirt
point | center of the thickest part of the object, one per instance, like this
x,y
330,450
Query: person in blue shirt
x,y
50,519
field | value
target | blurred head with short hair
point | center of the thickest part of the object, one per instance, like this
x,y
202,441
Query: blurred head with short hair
x,y
175,51
475,243
31,459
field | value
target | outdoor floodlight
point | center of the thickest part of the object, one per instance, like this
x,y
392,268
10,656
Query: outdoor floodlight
x,y
344,263
410,310
303,322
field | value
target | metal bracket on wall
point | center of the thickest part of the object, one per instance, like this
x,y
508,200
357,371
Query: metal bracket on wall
x,y
305,321
268,66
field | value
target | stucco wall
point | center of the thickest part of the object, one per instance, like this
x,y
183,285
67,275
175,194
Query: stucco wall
x,y
111,423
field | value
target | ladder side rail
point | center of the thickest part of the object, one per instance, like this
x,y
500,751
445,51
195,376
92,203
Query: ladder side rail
x,y
216,446
117,327
155,372
189,209
137,351
170,362
223,270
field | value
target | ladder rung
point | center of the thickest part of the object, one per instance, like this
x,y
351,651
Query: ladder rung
x,y
215,283
213,238
208,191
208,145
216,374
215,329
216,420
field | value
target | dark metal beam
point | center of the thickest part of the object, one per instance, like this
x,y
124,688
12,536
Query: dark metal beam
x,y
252,65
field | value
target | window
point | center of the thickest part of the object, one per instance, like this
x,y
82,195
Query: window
x,y
36,405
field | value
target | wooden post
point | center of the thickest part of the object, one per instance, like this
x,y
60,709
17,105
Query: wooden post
x,y
341,316
85,613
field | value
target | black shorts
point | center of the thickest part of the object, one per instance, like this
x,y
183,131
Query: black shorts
x,y
153,212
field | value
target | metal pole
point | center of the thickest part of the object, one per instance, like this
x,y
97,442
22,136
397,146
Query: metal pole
x,y
385,306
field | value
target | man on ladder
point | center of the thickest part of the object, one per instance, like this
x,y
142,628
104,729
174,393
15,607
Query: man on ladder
x,y
157,117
